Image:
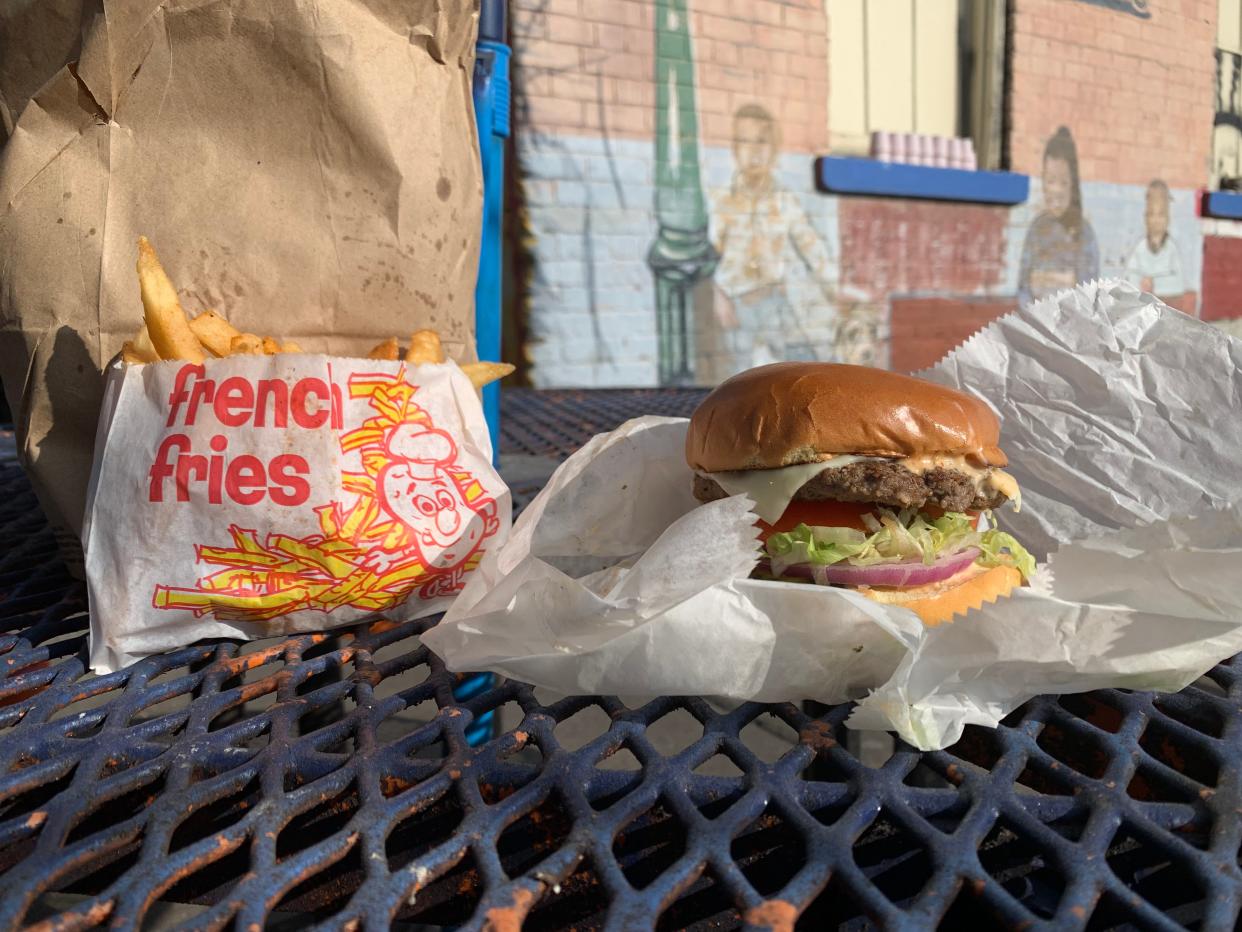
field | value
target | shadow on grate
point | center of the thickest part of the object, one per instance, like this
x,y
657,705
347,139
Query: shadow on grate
x,y
706,904
330,884
449,900
770,851
1149,870
650,844
836,907
1023,868
580,901
533,837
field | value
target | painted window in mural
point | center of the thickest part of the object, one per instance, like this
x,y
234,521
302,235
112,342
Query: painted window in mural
x,y
1060,249
893,67
1227,123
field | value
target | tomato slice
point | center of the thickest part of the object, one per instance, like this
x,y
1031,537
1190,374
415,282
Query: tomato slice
x,y
831,513
828,513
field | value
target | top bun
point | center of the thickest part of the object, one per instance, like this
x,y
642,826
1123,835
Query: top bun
x,y
804,412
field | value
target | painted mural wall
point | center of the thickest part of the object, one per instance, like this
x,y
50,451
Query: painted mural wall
x,y
665,155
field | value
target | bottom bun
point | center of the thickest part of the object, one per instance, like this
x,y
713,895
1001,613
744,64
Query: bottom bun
x,y
954,596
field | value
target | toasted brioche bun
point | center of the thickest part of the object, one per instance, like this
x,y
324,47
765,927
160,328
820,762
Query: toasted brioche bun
x,y
954,596
804,412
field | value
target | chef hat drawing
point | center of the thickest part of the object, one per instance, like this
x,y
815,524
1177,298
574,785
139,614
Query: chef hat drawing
x,y
421,444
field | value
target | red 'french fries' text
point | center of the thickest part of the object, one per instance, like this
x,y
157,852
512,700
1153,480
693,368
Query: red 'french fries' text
x,y
180,473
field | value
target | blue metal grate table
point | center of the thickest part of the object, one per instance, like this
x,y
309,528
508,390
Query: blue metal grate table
x,y
284,784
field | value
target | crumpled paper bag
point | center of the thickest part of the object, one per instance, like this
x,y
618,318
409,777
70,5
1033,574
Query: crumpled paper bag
x,y
1120,419
265,495
307,168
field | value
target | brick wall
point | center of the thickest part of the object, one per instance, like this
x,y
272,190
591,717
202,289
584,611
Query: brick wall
x,y
1136,93
588,66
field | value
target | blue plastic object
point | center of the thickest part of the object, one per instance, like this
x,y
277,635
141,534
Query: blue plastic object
x,y
491,109
1224,204
491,114
840,175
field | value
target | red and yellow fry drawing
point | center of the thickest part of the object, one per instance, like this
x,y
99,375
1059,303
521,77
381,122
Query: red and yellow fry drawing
x,y
416,523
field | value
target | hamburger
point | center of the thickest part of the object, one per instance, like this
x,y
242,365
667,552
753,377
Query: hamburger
x,y
865,479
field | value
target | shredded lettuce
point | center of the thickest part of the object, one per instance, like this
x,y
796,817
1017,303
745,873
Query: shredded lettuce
x,y
895,536
1000,549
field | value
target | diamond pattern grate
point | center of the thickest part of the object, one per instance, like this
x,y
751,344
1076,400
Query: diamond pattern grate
x,y
555,423
327,780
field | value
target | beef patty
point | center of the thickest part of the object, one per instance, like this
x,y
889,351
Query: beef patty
x,y
885,483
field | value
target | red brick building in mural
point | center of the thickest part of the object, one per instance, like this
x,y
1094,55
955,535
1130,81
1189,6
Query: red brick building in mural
x,y
677,231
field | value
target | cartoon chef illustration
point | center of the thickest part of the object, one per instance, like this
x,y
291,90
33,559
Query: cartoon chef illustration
x,y
418,489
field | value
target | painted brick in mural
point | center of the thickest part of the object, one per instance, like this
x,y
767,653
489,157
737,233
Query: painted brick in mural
x,y
922,328
902,246
1222,278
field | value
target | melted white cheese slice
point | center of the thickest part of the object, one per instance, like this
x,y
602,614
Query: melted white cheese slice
x,y
772,489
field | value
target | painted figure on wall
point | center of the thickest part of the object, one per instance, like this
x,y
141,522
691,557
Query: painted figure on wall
x,y
1060,249
1155,263
760,231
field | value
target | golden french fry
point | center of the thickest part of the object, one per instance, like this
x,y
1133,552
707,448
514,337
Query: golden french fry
x,y
270,346
481,373
290,347
131,356
166,322
214,332
246,344
424,347
141,346
386,350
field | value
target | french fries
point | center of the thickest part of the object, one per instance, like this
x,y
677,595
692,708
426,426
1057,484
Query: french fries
x,y
141,346
482,373
166,322
424,348
246,344
386,350
131,356
214,332
168,334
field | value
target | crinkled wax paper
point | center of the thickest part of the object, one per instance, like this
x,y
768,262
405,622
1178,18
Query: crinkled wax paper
x,y
1122,419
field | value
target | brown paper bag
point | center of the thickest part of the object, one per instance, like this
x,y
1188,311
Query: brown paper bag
x,y
308,169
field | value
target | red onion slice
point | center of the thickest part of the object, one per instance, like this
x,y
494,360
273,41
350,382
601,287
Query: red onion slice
x,y
906,573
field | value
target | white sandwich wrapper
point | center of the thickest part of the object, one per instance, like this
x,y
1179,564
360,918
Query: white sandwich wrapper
x,y
1121,420
255,496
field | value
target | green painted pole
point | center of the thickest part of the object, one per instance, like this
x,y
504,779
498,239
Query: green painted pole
x,y
681,255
